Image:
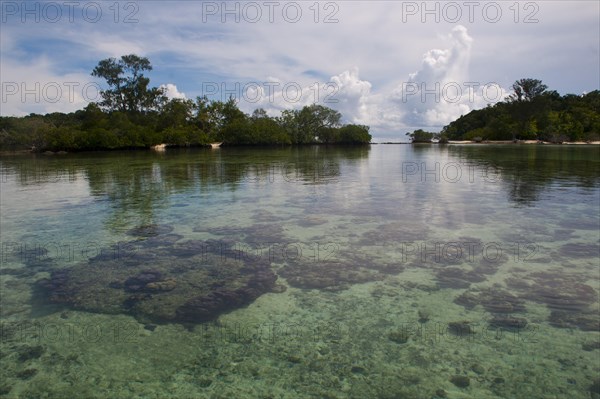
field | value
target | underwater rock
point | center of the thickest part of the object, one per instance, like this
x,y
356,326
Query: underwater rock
x,y
164,285
424,316
461,381
489,266
499,301
311,221
139,281
580,224
358,370
160,240
26,374
455,277
399,337
566,295
204,307
261,233
585,321
150,230
19,272
595,389
5,389
580,250
509,323
337,272
590,346
264,216
478,369
30,352
396,232
467,299
181,281
279,288
461,328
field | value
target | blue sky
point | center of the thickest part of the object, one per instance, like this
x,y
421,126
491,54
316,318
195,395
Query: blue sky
x,y
393,65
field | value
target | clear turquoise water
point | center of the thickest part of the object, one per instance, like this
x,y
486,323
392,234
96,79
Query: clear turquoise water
x,y
399,268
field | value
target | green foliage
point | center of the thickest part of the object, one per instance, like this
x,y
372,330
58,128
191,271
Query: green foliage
x,y
133,115
421,136
527,90
354,134
530,113
129,91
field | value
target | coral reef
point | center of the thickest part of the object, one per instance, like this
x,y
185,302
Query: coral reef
x,y
456,277
396,232
566,295
183,281
150,230
499,303
347,267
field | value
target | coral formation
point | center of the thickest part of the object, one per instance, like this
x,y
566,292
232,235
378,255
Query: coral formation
x,y
183,281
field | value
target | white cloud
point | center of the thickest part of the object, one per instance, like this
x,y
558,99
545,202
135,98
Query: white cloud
x,y
374,36
38,88
439,92
172,92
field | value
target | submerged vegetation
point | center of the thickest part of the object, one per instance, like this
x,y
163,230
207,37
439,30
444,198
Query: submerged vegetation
x,y
134,115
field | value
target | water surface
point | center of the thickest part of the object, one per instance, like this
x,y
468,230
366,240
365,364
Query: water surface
x,y
385,271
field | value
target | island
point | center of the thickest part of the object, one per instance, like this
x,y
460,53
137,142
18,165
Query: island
x,y
531,114
133,115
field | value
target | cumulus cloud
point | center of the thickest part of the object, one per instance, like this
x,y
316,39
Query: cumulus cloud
x,y
38,88
441,91
172,92
351,95
345,92
437,93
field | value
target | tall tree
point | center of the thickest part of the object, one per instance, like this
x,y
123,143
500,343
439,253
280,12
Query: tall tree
x,y
128,87
527,89
526,102
312,119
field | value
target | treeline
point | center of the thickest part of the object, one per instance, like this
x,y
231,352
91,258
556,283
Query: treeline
x,y
181,123
532,113
134,115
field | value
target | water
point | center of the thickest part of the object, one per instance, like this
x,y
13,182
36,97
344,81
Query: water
x,y
382,272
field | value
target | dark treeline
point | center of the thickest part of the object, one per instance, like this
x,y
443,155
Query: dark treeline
x,y
531,112
134,115
178,123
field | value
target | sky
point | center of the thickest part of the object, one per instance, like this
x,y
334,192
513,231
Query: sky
x,y
393,65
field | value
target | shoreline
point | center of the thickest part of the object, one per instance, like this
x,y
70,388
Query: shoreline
x,y
499,142
162,149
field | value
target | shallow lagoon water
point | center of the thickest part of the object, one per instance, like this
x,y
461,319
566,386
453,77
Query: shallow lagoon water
x,y
390,271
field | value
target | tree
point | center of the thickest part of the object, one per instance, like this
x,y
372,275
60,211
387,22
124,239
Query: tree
x,y
220,116
526,102
355,134
176,113
259,113
421,136
128,87
312,119
527,89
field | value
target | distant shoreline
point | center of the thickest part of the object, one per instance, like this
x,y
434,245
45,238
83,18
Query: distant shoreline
x,y
519,142
451,142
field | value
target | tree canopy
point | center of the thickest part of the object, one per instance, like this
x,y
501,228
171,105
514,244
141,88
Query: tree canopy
x,y
134,115
128,87
532,112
